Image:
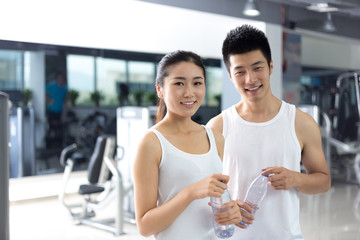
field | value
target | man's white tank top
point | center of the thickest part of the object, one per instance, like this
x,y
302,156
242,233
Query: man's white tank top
x,y
250,147
177,170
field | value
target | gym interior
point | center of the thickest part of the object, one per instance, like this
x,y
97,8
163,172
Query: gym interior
x,y
67,174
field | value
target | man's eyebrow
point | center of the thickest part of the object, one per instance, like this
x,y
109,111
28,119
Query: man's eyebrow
x,y
254,64
257,63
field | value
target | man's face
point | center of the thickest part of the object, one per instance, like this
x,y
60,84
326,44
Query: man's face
x,y
250,74
61,80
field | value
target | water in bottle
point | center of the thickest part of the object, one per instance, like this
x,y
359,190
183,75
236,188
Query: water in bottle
x,y
221,231
256,193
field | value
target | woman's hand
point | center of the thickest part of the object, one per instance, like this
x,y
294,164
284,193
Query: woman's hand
x,y
211,186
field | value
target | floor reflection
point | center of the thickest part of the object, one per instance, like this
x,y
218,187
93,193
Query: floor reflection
x,y
332,215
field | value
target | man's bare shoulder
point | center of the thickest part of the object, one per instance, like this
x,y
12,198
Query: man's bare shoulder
x,y
304,120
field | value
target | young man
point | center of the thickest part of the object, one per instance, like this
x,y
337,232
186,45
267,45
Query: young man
x,y
264,132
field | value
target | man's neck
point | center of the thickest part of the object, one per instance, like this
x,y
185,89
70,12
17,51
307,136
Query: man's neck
x,y
259,111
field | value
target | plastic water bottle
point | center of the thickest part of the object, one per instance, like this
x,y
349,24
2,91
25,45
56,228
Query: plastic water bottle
x,y
256,193
221,231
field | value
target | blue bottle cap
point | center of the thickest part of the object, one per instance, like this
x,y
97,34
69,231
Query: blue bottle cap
x,y
264,175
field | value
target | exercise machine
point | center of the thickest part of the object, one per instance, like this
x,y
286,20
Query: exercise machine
x,y
105,183
132,123
346,125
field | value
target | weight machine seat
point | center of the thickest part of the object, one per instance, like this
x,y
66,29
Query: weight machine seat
x,y
94,166
96,160
89,189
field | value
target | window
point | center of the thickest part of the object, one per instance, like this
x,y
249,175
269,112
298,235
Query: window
x,y
81,77
142,82
126,82
110,74
11,70
214,85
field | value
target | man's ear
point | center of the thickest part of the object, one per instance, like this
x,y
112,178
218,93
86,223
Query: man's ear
x,y
230,77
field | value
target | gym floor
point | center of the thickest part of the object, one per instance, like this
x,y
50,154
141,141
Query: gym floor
x,y
35,216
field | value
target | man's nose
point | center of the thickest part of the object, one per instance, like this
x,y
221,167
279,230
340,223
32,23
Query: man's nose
x,y
249,78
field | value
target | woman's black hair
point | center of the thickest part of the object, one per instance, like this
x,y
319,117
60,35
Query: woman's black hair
x,y
167,61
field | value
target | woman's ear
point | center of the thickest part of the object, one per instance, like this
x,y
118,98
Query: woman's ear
x,y
159,91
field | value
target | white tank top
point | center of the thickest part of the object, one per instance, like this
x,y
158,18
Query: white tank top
x,y
177,170
250,147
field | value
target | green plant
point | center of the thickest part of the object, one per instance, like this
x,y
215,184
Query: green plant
x,y
218,99
96,96
152,98
138,95
26,96
73,95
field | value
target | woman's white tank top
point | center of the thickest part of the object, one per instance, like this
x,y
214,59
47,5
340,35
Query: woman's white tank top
x,y
177,170
250,147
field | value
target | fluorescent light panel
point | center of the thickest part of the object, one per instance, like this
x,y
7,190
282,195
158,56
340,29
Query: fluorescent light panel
x,y
322,7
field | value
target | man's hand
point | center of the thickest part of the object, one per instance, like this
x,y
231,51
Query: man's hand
x,y
246,212
280,178
231,216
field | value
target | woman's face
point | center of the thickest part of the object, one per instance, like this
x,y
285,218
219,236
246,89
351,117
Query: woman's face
x,y
184,89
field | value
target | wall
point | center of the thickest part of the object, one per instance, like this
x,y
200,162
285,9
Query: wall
x,y
119,25
330,51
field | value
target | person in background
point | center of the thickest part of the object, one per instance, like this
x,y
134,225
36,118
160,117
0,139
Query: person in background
x,y
178,163
56,93
264,132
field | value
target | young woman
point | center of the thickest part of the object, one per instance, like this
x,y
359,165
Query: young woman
x,y
178,163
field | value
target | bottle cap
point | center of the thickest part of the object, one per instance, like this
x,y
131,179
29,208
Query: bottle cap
x,y
264,175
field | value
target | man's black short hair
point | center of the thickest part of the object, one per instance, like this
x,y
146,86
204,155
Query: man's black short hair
x,y
244,39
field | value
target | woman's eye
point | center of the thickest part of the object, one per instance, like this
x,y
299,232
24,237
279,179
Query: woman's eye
x,y
198,83
179,83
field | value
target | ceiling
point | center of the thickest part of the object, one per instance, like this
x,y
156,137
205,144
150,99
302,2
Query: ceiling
x,y
345,8
289,13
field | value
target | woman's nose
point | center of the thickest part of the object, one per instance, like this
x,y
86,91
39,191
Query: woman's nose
x,y
188,91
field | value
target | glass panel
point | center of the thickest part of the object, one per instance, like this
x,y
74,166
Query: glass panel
x,y
11,70
81,77
27,69
141,82
110,74
213,86
141,72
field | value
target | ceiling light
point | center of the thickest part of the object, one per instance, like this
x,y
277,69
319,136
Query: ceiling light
x,y
321,7
329,25
250,9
